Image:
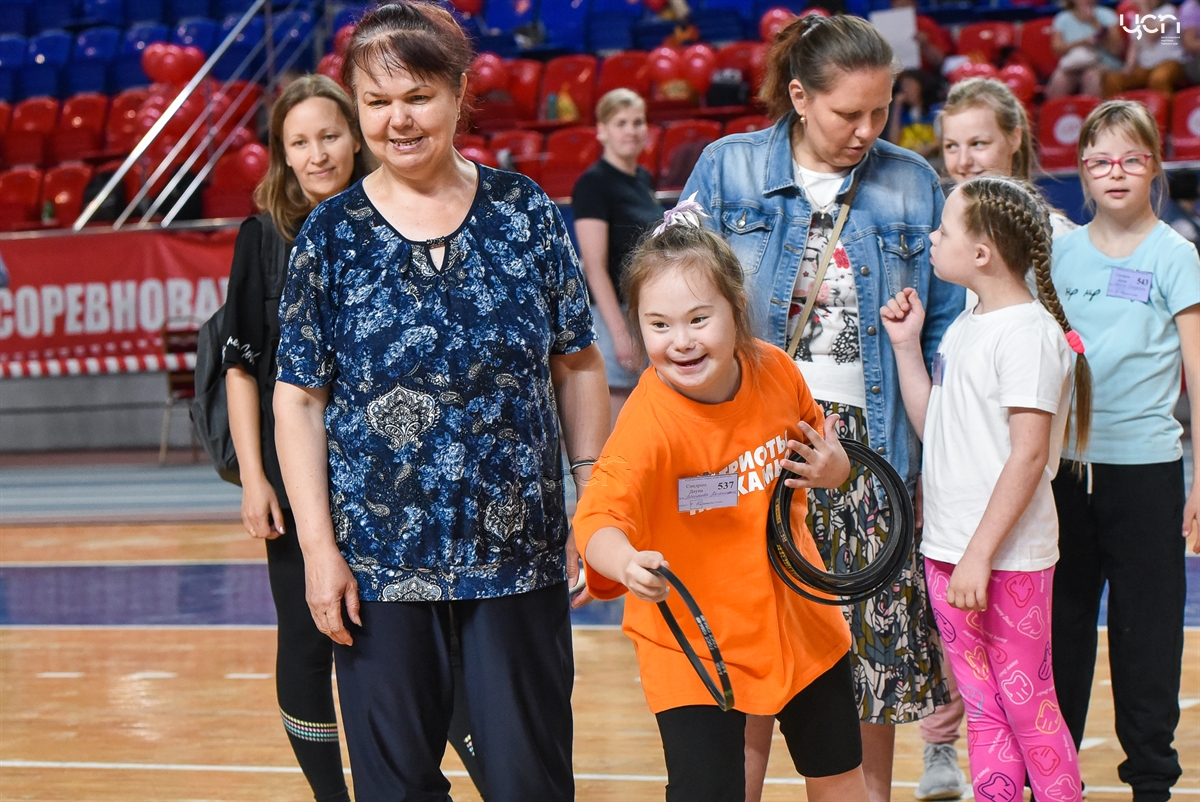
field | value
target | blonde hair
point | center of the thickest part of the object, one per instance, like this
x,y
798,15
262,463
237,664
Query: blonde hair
x,y
280,194
695,249
1013,217
814,49
1131,119
618,100
1010,115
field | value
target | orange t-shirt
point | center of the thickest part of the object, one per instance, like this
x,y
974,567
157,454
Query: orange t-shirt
x,y
774,641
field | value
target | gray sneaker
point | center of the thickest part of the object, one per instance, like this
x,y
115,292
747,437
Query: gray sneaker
x,y
943,779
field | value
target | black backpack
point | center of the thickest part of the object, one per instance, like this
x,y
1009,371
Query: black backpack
x,y
209,410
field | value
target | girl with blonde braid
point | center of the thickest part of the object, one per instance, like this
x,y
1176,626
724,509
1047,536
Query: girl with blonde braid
x,y
992,418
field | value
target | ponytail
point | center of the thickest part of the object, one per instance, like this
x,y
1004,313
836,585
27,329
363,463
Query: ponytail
x,y
814,49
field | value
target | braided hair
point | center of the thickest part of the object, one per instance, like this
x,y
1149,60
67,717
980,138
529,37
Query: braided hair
x,y
1011,215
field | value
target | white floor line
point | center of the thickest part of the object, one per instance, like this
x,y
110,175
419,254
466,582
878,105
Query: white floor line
x,y
649,778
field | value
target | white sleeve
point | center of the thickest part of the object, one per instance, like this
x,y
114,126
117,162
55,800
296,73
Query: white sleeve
x,y
1031,365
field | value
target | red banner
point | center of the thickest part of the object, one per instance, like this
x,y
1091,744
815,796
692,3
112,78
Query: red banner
x,y
99,302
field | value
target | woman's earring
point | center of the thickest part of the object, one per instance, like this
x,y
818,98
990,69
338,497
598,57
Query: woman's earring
x,y
802,119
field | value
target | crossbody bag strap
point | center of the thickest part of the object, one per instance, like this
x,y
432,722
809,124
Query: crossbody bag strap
x,y
822,266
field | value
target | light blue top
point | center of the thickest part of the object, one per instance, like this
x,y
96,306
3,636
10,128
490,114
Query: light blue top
x,y
1132,346
1074,31
748,185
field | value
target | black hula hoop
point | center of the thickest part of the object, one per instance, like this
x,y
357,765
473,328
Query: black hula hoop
x,y
724,694
825,587
798,573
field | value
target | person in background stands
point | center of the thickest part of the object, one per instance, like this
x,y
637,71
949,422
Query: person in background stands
x,y
614,206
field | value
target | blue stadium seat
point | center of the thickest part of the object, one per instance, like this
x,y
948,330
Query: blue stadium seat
x,y
127,71
349,15
90,68
762,6
104,12
198,32
14,16
143,11
565,22
179,10
241,47
12,57
228,7
610,24
722,20
292,39
45,60
46,15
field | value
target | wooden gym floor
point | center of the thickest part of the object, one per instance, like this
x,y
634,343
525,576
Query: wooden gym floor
x,y
170,712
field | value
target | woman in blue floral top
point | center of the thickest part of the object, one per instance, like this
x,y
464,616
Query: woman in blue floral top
x,y
435,329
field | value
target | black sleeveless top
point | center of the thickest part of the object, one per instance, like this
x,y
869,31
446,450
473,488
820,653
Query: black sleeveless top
x,y
250,335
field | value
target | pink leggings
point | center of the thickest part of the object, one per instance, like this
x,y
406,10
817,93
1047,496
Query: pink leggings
x,y
1001,659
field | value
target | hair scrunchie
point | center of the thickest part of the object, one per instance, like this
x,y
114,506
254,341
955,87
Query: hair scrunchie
x,y
685,213
1074,341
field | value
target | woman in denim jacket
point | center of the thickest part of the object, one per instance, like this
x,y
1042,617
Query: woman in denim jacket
x,y
775,195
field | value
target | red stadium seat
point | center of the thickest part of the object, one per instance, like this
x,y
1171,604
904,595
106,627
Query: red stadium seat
x,y
1058,129
1036,35
1185,125
575,76
569,151
748,57
20,191
629,70
478,154
122,132
470,141
519,142
987,39
5,116
651,156
80,133
1157,103
33,121
226,195
524,83
693,134
63,188
744,125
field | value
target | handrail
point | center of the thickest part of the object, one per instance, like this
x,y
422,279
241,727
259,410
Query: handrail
x,y
162,121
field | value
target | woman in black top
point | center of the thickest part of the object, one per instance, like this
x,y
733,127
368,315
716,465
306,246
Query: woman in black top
x,y
613,203
315,149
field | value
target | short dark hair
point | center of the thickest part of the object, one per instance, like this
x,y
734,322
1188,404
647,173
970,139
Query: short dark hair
x,y
419,37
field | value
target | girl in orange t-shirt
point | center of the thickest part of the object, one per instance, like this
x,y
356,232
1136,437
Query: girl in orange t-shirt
x,y
717,401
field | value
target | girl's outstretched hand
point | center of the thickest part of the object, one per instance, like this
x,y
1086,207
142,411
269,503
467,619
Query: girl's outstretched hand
x,y
641,582
903,317
969,583
825,461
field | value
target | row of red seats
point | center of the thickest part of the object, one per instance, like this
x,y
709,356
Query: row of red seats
x,y
557,160
31,199
524,100
1178,118
41,132
1032,39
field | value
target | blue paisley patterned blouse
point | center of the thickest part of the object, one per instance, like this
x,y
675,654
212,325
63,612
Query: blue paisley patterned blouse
x,y
444,464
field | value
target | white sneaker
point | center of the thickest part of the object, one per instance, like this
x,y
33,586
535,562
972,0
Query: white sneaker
x,y
943,779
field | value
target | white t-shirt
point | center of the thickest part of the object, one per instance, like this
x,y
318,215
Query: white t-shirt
x,y
1013,357
829,354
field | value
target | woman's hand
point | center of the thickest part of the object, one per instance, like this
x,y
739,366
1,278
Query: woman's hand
x,y
903,318
1191,517
969,583
825,461
644,584
261,513
328,582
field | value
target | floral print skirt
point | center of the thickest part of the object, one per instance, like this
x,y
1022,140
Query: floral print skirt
x,y
898,672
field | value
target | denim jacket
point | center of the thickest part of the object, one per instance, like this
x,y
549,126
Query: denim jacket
x,y
747,183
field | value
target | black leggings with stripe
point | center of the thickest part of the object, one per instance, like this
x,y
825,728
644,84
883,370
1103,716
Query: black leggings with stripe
x,y
303,665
